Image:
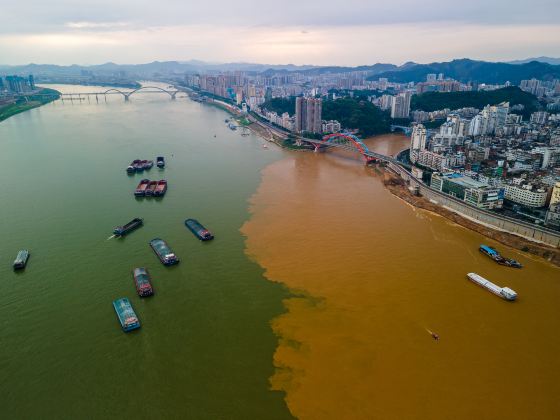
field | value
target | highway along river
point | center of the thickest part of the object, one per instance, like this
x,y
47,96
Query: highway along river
x,y
370,277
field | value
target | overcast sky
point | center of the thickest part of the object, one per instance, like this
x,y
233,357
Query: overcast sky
x,y
338,32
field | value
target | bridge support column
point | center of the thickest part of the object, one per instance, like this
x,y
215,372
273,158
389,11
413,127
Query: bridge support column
x,y
173,95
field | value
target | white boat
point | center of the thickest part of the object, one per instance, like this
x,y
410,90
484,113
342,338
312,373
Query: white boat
x,y
503,292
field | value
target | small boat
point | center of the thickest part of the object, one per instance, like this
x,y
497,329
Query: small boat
x,y
137,165
142,282
130,169
150,189
161,188
21,259
149,164
265,146
160,162
141,188
503,292
163,252
199,231
127,317
497,257
129,227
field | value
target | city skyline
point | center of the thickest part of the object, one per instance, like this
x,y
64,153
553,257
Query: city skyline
x,y
349,33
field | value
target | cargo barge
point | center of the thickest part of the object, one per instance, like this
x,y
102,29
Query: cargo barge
x,y
141,188
163,252
21,259
138,165
142,282
161,188
151,188
129,227
495,255
127,317
198,230
503,292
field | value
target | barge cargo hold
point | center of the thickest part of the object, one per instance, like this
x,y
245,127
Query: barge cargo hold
x,y
151,188
141,188
198,230
161,188
163,252
21,259
127,317
142,282
503,292
129,227
495,255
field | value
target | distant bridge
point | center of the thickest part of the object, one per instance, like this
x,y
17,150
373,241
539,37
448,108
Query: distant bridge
x,y
406,129
113,91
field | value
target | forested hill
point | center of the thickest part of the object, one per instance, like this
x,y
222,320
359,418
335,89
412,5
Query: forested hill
x,y
432,101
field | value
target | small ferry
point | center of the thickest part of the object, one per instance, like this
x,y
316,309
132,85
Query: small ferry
x,y
21,259
142,282
151,188
198,230
141,188
127,317
164,253
495,255
129,227
503,292
160,162
161,188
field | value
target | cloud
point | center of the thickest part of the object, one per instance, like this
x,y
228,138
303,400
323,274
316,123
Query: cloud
x,y
96,25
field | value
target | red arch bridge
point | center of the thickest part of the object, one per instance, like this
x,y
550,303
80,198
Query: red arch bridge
x,y
350,142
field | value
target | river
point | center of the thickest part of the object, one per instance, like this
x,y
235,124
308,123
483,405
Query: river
x,y
205,347
349,277
371,276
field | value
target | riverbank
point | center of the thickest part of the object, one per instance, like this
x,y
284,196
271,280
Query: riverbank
x,y
398,187
29,102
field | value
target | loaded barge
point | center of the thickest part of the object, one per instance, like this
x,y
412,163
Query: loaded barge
x,y
129,227
142,282
495,255
163,252
503,292
141,188
198,230
127,317
21,259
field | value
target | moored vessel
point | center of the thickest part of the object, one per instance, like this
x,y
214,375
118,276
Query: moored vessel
x,y
160,162
503,292
21,259
141,188
164,252
127,317
142,282
129,227
161,188
497,257
198,230
151,188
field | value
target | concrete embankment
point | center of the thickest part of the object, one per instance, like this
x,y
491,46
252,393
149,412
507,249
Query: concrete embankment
x,y
522,236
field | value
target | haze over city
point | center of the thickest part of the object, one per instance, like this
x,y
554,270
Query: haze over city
x,y
351,32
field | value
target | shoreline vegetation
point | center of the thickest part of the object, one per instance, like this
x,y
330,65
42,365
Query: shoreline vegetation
x,y
397,186
26,103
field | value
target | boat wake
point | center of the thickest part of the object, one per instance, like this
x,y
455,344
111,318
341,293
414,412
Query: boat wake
x,y
110,237
433,334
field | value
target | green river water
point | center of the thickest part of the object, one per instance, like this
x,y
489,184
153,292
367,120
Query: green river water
x,y
205,347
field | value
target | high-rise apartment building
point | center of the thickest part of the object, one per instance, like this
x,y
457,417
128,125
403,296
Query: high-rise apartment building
x,y
401,105
308,115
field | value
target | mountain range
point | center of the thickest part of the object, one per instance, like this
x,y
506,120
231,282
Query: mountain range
x,y
464,70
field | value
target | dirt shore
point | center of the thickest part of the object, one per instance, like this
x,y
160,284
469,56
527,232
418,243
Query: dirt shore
x,y
398,187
